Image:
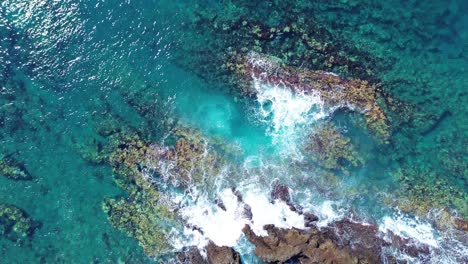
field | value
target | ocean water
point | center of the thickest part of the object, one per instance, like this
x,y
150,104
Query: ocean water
x,y
70,68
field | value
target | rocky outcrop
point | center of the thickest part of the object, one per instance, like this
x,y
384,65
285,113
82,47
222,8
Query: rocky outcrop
x,y
343,242
214,255
221,255
282,245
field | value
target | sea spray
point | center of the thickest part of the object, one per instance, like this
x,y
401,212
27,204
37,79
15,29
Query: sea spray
x,y
287,114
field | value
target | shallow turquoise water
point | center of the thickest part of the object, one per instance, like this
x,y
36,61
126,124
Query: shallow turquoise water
x,y
68,66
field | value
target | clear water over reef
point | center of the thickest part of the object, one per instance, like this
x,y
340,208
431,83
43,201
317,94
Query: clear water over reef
x,y
133,130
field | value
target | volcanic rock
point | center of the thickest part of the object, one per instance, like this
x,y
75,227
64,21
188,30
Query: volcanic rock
x,y
214,255
221,255
343,242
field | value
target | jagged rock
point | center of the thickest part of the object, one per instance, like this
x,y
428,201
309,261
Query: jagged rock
x,y
310,219
214,255
343,242
221,255
281,192
191,256
14,170
280,245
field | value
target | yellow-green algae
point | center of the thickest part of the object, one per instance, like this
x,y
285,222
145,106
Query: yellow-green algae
x,y
15,224
331,149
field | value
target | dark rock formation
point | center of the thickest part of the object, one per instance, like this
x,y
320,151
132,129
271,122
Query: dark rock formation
x,y
221,255
310,246
191,256
281,192
343,242
214,255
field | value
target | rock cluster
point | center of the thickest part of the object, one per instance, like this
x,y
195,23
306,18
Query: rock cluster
x,y
329,148
15,224
343,242
141,215
214,255
14,170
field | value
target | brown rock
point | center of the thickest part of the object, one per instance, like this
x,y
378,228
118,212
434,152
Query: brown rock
x,y
343,242
460,224
215,255
222,255
191,255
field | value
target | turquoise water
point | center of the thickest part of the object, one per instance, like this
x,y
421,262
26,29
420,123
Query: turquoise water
x,y
71,68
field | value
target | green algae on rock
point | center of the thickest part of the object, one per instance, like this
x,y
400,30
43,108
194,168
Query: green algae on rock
x,y
239,27
423,190
331,149
15,224
141,220
12,169
141,215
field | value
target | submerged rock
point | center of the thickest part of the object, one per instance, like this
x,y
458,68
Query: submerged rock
x,y
142,222
15,224
331,149
14,170
423,190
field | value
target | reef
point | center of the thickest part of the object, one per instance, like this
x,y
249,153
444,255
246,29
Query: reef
x,y
141,215
189,162
352,94
329,148
15,224
12,169
239,26
423,190
138,164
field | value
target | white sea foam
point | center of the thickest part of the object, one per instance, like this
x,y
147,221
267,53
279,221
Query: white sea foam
x,y
328,212
264,212
407,227
286,112
224,227
286,108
